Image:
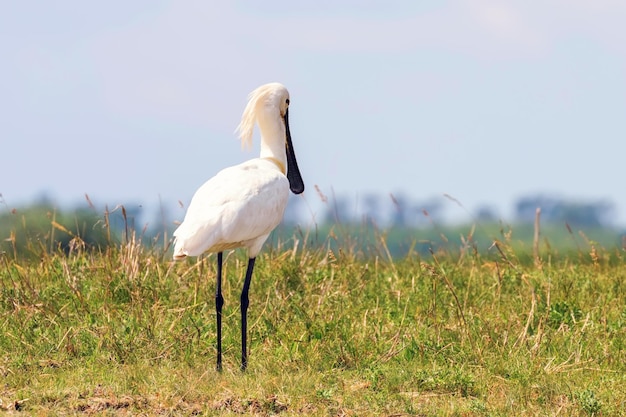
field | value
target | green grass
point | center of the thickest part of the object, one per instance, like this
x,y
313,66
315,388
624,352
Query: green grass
x,y
126,331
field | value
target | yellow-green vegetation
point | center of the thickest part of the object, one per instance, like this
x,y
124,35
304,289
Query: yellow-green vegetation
x,y
122,330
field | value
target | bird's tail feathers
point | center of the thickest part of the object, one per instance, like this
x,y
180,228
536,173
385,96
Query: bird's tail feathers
x,y
179,251
179,256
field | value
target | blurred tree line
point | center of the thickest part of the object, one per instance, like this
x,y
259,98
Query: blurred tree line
x,y
407,225
400,211
41,228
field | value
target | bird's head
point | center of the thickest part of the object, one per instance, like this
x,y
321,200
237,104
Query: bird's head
x,y
271,102
271,99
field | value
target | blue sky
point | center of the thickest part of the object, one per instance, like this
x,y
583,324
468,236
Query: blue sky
x,y
486,101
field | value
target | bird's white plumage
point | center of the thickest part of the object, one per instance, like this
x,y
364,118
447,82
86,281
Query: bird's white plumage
x,y
241,205
238,207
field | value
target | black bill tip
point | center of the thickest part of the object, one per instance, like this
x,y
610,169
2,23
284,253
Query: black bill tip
x,y
296,185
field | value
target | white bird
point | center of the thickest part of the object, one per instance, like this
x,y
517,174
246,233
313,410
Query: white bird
x,y
242,204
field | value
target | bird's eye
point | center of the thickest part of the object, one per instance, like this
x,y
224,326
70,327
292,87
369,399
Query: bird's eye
x,y
287,101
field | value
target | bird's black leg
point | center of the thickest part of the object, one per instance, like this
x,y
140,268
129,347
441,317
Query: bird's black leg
x,y
244,314
219,302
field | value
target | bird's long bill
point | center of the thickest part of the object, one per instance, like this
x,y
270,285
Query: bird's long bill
x,y
293,172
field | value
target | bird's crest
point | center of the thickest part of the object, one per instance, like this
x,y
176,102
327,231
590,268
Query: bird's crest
x,y
259,96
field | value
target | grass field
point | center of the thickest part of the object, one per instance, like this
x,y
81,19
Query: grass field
x,y
125,331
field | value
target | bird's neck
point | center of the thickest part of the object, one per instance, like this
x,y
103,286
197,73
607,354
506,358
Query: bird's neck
x,y
273,139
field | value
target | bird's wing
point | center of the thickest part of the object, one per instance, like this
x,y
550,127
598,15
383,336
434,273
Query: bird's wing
x,y
239,204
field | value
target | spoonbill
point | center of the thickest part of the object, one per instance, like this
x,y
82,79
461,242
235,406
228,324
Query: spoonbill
x,y
242,204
